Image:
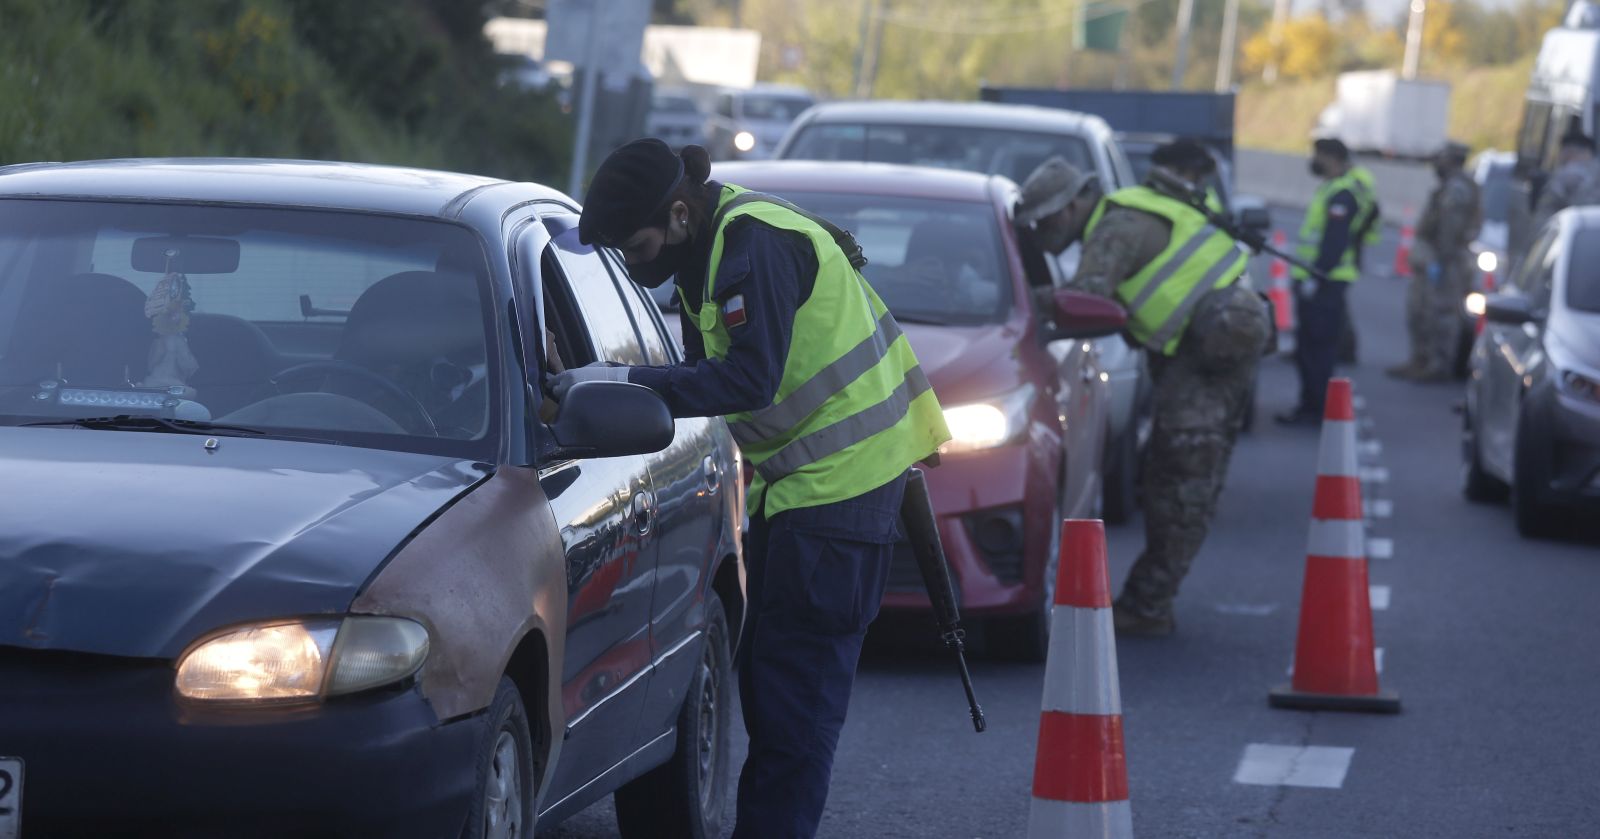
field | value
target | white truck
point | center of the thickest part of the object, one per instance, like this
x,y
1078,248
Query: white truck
x,y
1378,112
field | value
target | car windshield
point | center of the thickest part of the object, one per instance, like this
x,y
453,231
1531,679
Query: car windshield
x,y
931,261
1583,273
775,108
1496,189
359,329
990,151
673,104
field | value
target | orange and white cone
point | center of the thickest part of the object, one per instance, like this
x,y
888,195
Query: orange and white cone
x,y
1334,664
1278,289
1080,774
1402,254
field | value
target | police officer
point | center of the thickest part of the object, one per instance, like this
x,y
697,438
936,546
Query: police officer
x,y
1328,241
1576,181
1204,330
1441,269
772,305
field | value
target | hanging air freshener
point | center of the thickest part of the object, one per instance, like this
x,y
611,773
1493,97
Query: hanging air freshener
x,y
170,362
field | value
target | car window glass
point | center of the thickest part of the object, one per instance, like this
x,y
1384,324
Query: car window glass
x,y
1014,154
1528,271
1545,278
725,105
644,312
775,108
1583,274
610,325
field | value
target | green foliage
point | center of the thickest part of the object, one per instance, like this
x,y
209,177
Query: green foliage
x,y
398,81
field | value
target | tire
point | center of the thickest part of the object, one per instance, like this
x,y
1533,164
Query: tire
x,y
1026,638
1476,484
684,797
1120,484
1531,481
502,803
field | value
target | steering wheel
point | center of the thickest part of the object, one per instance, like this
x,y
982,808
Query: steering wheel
x,y
414,418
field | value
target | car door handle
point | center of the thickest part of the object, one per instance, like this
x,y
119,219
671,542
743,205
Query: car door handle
x,y
712,473
644,513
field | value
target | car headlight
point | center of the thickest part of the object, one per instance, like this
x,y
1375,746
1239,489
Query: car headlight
x,y
1579,385
744,141
1488,261
1475,304
988,424
302,660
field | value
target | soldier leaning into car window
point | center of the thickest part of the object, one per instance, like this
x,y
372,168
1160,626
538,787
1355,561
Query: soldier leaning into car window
x,y
777,307
1203,331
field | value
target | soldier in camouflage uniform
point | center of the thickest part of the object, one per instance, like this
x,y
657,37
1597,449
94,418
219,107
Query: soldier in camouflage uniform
x,y
1441,270
1201,387
1576,181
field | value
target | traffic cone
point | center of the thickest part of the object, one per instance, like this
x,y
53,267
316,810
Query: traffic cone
x,y
1080,774
1334,667
1278,291
1402,254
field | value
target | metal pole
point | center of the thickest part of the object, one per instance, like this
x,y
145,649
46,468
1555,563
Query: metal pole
x,y
861,46
591,80
869,72
1414,39
1230,36
1180,64
1280,17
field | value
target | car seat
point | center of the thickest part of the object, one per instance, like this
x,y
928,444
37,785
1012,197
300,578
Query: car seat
x,y
236,360
89,327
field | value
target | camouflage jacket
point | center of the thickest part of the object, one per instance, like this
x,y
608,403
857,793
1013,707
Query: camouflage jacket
x,y
1450,222
1123,242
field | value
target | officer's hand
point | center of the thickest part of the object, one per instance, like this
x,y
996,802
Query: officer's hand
x,y
1434,271
598,372
1306,288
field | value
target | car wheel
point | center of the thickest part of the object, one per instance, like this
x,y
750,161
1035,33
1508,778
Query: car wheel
x,y
1531,480
1027,637
1121,482
502,806
1476,484
684,797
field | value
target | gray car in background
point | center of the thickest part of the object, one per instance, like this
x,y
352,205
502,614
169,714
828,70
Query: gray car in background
x,y
1532,419
1009,140
748,124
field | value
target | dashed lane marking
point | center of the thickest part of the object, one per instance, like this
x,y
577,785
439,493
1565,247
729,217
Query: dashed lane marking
x,y
1323,767
1358,402
1254,610
1378,508
1380,548
1374,475
1379,595
1370,448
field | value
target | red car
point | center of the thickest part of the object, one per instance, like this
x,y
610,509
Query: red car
x,y
1022,390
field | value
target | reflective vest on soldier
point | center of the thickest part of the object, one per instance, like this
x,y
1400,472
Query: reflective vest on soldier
x,y
853,408
1198,258
1317,221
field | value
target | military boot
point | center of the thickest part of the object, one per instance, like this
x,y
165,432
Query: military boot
x,y
1130,622
1408,370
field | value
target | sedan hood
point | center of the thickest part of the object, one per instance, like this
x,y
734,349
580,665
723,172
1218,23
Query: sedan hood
x,y
135,544
964,363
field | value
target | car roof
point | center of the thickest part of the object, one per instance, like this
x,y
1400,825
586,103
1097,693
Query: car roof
x,y
297,183
965,114
851,177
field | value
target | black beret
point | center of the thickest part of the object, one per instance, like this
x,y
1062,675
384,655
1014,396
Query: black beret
x,y
627,191
1184,155
1333,147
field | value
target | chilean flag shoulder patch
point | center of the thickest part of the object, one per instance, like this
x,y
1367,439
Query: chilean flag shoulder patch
x,y
733,313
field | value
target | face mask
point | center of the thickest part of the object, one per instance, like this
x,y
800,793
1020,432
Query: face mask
x,y
1055,237
669,260
1442,170
1318,168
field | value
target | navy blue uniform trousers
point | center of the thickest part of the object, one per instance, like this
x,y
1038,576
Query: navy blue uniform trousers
x,y
816,576
1321,318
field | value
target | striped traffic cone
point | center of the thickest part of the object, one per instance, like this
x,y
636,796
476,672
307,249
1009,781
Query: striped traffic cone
x,y
1080,775
1334,666
1278,288
1402,253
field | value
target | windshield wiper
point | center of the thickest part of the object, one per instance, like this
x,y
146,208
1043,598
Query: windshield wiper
x,y
128,422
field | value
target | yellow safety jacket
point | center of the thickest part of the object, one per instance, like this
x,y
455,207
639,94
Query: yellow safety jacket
x,y
1317,221
853,408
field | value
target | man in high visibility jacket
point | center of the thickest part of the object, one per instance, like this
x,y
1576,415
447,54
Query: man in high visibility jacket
x,y
786,340
1328,243
1203,328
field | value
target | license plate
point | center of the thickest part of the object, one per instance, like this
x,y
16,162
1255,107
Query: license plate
x,y
10,797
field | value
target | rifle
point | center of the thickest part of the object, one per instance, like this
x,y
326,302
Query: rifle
x,y
916,512
1181,190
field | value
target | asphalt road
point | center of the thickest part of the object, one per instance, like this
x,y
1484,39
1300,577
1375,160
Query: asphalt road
x,y
1490,640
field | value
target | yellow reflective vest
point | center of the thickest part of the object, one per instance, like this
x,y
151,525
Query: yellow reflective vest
x,y
1316,222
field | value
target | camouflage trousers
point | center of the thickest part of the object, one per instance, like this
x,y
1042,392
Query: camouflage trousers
x,y
1200,401
1433,317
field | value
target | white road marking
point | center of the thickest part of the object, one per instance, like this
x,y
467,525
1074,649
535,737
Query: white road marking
x,y
1323,767
1370,448
1378,508
1379,596
1253,610
1374,475
1380,548
1358,402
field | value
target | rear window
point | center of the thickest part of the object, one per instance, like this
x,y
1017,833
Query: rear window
x,y
990,151
1583,272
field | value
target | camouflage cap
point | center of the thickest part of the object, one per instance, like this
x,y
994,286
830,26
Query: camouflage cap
x,y
1051,186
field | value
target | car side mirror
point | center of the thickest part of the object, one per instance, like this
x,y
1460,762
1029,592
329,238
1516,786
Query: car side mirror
x,y
1082,315
611,419
1508,309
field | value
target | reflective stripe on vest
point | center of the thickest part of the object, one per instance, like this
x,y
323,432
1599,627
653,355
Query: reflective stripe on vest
x,y
1317,221
853,409
1198,258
